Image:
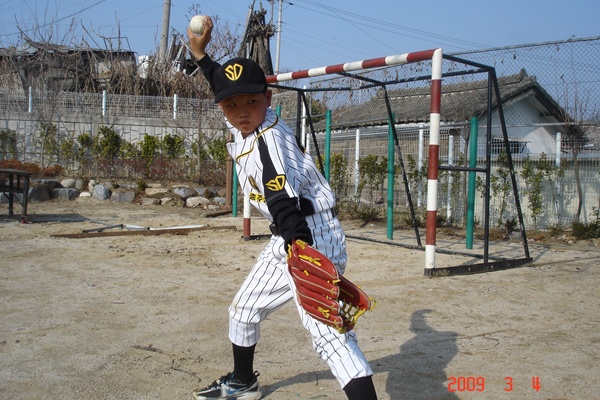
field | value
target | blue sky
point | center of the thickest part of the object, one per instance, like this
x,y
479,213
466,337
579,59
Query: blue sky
x,y
319,32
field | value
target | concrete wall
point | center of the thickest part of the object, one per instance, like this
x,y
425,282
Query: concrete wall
x,y
27,127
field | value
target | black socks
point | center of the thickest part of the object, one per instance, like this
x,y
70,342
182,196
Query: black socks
x,y
361,389
243,363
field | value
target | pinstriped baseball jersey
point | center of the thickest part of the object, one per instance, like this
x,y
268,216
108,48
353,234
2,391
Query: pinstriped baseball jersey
x,y
271,164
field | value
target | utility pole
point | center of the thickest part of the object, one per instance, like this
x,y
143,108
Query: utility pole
x,y
164,37
278,36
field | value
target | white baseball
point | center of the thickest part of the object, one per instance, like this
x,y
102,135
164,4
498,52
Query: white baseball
x,y
197,24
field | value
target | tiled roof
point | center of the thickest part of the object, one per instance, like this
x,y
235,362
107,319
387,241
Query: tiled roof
x,y
459,102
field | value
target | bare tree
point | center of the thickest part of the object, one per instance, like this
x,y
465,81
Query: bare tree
x,y
577,116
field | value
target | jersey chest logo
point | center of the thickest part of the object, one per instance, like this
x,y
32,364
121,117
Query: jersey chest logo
x,y
276,184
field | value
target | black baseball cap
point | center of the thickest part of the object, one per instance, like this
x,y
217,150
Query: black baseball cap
x,y
237,76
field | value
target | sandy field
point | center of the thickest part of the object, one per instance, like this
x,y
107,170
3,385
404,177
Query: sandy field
x,y
131,316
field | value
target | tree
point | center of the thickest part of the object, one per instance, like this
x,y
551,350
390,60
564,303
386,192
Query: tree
x,y
577,117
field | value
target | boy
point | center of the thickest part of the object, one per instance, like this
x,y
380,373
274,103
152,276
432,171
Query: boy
x,y
284,184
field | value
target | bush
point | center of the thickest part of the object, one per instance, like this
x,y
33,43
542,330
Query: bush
x,y
590,230
21,166
363,212
53,170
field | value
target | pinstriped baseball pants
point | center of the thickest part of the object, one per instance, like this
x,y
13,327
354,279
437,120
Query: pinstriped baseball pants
x,y
269,286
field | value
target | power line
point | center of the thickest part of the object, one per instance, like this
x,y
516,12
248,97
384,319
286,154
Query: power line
x,y
378,24
59,19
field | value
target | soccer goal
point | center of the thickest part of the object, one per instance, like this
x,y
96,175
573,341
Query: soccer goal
x,y
367,123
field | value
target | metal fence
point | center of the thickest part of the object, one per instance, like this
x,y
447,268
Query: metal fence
x,y
102,104
567,75
567,71
558,190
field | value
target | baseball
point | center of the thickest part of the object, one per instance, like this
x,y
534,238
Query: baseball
x,y
197,24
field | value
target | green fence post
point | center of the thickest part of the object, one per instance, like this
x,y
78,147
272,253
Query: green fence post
x,y
390,178
234,189
472,182
327,144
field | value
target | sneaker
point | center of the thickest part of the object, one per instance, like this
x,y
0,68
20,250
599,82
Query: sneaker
x,y
229,388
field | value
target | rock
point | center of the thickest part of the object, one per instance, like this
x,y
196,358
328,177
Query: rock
x,y
65,193
197,201
39,193
150,201
129,186
110,185
172,201
100,192
79,184
68,183
123,196
220,200
184,192
207,192
17,197
156,191
85,194
50,184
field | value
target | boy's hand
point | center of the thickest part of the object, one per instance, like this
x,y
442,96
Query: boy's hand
x,y
198,43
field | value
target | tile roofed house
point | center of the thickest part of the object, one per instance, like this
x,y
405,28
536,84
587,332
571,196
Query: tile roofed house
x,y
64,68
459,102
532,115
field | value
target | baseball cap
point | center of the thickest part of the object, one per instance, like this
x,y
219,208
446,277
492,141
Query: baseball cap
x,y
237,76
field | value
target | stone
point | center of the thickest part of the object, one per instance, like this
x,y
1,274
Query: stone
x,y
184,192
197,201
68,183
172,202
39,193
65,193
156,191
101,192
50,184
110,185
146,201
122,196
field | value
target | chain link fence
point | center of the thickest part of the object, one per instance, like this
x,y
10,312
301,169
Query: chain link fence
x,y
545,88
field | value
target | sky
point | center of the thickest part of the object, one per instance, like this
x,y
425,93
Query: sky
x,y
314,33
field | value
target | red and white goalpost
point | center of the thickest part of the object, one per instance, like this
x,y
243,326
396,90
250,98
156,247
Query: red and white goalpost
x,y
435,56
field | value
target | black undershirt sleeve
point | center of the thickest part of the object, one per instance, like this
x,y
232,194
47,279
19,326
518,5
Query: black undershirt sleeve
x,y
208,67
290,221
285,210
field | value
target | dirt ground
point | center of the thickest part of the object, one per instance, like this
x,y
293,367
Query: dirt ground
x,y
145,316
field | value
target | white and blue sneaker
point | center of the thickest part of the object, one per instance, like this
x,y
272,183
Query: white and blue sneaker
x,y
229,388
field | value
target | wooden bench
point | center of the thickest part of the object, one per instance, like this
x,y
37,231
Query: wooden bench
x,y
12,182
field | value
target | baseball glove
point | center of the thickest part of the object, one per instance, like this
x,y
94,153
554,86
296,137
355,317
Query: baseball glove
x,y
322,292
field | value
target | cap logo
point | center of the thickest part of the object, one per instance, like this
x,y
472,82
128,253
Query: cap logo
x,y
233,72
